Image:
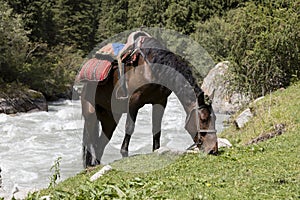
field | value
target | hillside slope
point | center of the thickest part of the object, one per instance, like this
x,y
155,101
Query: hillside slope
x,y
266,170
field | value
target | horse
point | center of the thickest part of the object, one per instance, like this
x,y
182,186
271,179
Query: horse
x,y
152,73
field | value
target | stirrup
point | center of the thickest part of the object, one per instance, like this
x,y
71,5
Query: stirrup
x,y
124,93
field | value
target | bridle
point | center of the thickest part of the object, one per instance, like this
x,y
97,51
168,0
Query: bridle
x,y
199,130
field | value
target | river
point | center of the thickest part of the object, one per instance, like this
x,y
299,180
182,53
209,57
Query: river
x,y
31,142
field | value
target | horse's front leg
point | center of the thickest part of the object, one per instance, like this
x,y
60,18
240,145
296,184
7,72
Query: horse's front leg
x,y
157,115
130,124
109,123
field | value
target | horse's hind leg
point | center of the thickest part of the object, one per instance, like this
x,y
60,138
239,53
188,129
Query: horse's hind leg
x,y
93,144
157,115
90,133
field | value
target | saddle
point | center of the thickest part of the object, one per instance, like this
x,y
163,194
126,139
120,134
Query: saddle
x,y
98,68
95,70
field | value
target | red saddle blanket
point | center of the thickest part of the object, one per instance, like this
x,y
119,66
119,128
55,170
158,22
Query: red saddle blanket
x,y
95,70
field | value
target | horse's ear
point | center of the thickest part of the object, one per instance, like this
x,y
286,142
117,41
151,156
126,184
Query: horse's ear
x,y
209,99
190,123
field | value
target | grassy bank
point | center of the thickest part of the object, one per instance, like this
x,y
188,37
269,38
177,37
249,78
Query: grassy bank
x,y
267,170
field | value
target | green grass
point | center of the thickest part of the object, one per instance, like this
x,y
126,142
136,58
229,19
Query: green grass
x,y
267,170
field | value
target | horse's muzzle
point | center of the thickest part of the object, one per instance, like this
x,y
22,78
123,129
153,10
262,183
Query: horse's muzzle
x,y
214,151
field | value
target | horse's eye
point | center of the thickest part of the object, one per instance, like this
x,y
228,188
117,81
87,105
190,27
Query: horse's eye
x,y
204,120
203,134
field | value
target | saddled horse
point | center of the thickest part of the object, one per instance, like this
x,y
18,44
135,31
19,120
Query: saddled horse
x,y
152,73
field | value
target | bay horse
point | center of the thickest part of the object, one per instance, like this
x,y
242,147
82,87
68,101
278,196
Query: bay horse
x,y
150,78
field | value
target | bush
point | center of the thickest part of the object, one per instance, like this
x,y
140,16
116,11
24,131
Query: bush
x,y
265,47
13,43
51,70
262,41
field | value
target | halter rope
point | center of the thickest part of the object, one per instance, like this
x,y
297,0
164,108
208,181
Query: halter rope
x,y
199,130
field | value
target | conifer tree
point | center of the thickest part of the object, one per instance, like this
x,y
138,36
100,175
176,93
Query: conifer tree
x,y
113,18
146,13
77,21
38,17
13,43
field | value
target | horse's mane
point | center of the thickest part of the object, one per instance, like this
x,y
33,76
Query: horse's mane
x,y
161,55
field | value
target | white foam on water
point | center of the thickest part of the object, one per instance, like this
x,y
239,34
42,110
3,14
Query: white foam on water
x,y
65,114
3,118
31,142
73,125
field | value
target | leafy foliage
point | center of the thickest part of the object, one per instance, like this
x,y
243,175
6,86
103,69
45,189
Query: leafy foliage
x,y
265,46
262,42
113,18
146,13
45,67
259,38
51,70
56,173
13,43
77,22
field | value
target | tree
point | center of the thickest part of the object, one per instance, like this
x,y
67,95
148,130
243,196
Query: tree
x,y
77,22
178,16
113,18
146,13
38,18
13,43
261,40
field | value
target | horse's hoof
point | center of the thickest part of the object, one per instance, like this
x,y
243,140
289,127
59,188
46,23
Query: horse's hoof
x,y
124,153
89,160
92,164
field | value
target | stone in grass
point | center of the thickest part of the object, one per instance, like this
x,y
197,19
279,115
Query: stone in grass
x,y
243,118
222,142
101,172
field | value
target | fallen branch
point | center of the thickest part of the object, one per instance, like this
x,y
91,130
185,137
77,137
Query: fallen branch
x,y
279,129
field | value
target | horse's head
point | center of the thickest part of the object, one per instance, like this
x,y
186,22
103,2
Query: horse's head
x,y
201,126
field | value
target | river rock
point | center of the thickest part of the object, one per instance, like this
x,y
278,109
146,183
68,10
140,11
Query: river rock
x,y
25,101
101,172
243,118
215,84
222,142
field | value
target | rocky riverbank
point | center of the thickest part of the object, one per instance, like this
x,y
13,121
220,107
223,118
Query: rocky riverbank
x,y
14,99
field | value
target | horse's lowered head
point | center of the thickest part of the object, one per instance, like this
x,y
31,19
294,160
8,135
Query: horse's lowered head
x,y
200,124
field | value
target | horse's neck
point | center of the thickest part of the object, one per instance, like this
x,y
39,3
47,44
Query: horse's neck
x,y
187,99
176,82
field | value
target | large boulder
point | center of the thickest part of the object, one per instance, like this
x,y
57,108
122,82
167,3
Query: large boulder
x,y
215,84
24,101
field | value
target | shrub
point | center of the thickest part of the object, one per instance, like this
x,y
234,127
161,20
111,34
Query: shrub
x,y
51,70
261,40
265,47
13,43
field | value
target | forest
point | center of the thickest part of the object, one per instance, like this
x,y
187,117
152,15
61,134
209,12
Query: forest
x,y
44,42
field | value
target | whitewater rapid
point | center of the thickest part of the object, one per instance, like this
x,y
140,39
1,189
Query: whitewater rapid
x,y
31,142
